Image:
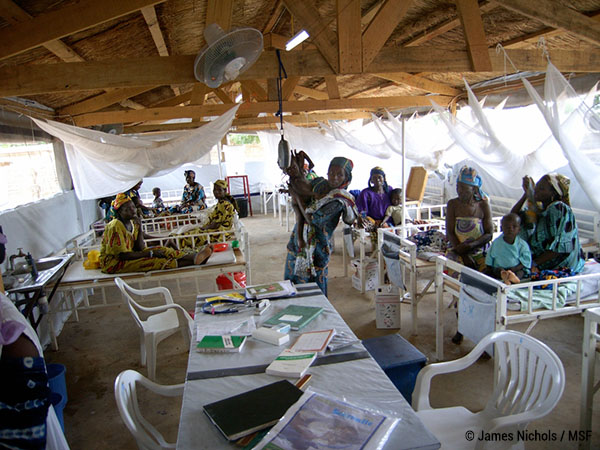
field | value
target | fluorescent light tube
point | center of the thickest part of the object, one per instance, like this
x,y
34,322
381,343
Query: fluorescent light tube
x,y
299,38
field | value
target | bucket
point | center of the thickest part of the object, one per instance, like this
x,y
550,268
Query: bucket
x,y
56,379
59,402
224,283
243,207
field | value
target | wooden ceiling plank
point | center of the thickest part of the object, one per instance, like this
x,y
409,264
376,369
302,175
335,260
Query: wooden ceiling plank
x,y
275,41
555,15
174,101
63,22
253,108
275,16
445,26
349,40
318,30
420,83
13,14
103,100
332,86
381,28
477,47
199,92
288,87
157,71
127,103
272,89
149,14
547,32
219,12
312,93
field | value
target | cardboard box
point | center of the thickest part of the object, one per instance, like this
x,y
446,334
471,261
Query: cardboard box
x,y
387,307
370,274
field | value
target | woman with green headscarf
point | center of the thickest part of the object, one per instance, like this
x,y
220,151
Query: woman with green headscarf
x,y
310,262
220,219
553,236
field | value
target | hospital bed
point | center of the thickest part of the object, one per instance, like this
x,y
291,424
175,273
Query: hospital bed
x,y
78,283
354,235
517,303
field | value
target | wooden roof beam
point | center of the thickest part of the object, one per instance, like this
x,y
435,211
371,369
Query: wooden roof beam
x,y
103,100
470,18
253,108
319,31
174,101
349,40
149,14
333,90
156,71
419,83
13,14
312,93
443,27
64,22
274,18
381,28
219,12
555,15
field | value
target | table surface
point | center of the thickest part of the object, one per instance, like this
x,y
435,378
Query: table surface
x,y
357,378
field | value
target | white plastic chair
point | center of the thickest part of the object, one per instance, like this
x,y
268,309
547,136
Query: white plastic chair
x,y
530,382
162,321
147,437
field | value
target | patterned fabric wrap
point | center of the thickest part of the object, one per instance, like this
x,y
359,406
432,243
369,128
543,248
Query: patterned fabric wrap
x,y
561,184
24,403
556,231
222,215
221,183
311,264
430,241
468,175
345,164
471,228
158,204
120,200
192,196
546,274
117,239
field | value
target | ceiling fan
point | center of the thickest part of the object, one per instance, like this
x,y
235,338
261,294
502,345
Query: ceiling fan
x,y
227,54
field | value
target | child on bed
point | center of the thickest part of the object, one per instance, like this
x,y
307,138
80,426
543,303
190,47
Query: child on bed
x,y
157,204
394,210
509,257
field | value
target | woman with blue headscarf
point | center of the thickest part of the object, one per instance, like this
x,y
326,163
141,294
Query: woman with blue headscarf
x,y
309,263
373,202
469,226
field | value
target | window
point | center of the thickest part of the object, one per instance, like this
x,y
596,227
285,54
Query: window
x,y
27,173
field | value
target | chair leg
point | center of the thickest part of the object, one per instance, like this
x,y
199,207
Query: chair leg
x,y
143,349
151,356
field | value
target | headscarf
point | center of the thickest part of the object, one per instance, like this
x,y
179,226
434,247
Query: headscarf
x,y
223,185
345,164
187,172
119,201
561,184
378,171
468,176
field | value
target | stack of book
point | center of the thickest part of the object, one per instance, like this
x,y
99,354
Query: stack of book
x,y
271,290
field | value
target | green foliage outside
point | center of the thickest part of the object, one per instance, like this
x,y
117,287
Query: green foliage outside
x,y
241,139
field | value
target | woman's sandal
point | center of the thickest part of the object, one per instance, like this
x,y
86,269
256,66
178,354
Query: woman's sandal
x,y
203,255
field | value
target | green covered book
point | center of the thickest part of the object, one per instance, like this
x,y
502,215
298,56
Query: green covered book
x,y
225,343
295,315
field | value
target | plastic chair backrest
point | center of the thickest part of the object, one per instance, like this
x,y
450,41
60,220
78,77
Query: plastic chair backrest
x,y
530,379
146,436
133,305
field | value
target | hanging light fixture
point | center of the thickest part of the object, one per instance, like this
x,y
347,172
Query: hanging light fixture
x,y
300,37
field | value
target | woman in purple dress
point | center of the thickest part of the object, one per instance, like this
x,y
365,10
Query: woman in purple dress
x,y
373,202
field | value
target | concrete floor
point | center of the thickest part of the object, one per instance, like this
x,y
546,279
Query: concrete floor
x,y
105,342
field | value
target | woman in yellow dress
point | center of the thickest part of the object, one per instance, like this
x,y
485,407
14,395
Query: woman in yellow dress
x,y
123,249
220,219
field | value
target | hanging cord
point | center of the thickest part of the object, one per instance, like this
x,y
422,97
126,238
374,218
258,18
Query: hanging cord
x,y
282,74
541,44
500,49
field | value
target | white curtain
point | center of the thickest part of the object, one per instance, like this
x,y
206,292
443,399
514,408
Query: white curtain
x,y
103,164
574,126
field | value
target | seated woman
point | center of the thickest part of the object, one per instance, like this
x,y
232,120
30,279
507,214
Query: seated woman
x,y
123,249
193,195
373,202
553,236
220,219
469,226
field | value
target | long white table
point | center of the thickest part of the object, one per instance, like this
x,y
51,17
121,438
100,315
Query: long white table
x,y
348,373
